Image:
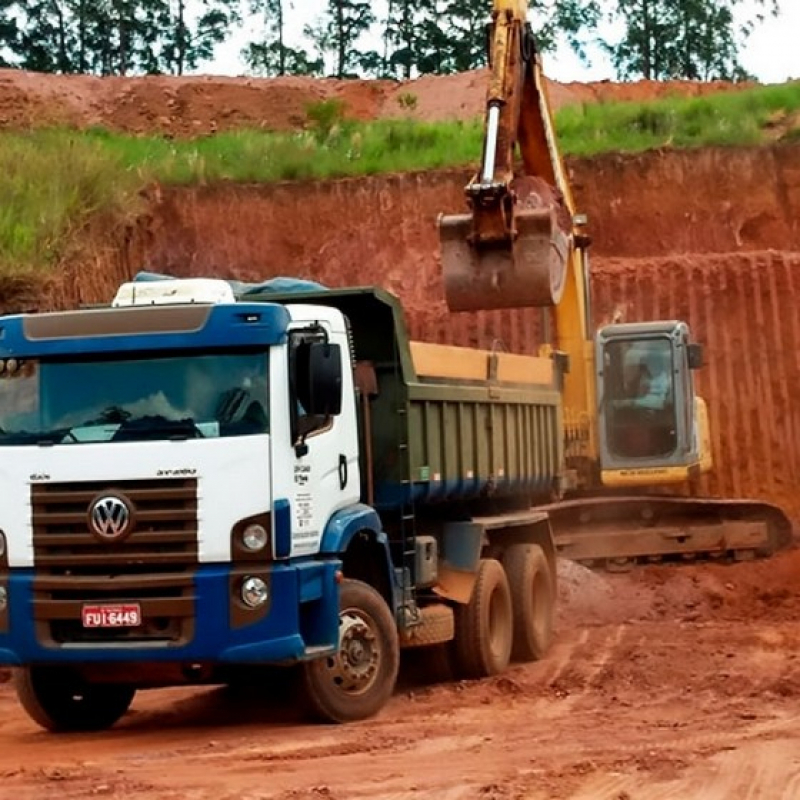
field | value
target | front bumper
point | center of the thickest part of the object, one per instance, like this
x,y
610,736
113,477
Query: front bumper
x,y
303,613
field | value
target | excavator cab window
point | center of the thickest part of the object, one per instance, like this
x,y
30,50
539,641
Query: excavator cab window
x,y
646,398
639,398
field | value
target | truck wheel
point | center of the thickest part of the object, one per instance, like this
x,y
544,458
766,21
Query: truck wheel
x,y
485,626
359,680
59,701
532,598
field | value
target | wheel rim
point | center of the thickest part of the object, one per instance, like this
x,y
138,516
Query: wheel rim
x,y
354,669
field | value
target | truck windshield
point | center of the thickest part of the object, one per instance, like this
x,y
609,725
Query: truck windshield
x,y
132,399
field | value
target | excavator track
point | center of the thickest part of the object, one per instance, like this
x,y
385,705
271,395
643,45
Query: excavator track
x,y
618,532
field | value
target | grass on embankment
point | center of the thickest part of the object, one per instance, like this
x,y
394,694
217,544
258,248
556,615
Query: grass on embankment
x,y
53,181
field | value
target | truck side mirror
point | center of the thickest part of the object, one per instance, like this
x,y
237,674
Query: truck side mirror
x,y
694,356
319,388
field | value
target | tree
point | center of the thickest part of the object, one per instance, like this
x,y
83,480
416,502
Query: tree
x,y
44,42
553,20
112,37
682,39
192,37
466,32
8,31
270,55
336,33
433,39
451,35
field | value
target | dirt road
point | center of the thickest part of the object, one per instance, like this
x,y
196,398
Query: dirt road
x,y
672,682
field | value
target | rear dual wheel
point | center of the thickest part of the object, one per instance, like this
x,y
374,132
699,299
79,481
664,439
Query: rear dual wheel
x,y
484,627
533,598
510,614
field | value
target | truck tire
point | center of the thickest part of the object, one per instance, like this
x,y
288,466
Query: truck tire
x,y
533,600
58,701
358,681
485,625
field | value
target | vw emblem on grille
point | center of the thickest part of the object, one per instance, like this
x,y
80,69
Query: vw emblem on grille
x,y
110,517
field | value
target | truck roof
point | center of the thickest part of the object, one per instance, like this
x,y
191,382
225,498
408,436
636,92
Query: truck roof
x,y
163,327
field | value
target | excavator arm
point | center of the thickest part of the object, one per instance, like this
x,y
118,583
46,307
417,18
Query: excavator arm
x,y
513,247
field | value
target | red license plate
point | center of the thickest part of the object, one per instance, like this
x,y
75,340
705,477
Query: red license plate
x,y
128,615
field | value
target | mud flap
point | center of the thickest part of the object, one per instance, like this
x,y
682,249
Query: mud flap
x,y
529,271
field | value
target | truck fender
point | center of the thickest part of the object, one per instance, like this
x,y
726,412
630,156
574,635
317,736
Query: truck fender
x,y
355,535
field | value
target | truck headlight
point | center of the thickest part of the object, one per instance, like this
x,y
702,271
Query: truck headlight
x,y
255,538
254,592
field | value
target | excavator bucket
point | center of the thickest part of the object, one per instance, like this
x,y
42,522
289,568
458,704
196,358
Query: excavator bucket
x,y
527,270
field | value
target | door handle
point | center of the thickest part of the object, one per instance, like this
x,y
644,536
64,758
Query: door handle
x,y
342,471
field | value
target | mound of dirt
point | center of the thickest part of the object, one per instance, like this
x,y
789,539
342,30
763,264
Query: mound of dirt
x,y
743,592
201,105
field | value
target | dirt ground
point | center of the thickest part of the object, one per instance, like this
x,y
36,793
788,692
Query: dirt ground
x,y
674,681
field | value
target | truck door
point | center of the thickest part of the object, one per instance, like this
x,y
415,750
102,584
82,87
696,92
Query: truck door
x,y
324,463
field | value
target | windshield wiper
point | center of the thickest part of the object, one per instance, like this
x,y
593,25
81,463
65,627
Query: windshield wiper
x,y
154,426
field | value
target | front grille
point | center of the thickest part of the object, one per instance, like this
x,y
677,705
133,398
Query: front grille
x,y
153,566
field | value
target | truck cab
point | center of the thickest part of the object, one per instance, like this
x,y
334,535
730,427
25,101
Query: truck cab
x,y
174,461
651,423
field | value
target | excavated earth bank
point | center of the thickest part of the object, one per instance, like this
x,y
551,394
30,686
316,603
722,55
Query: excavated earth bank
x,y
709,236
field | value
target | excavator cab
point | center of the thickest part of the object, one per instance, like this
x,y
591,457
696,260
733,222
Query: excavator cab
x,y
650,421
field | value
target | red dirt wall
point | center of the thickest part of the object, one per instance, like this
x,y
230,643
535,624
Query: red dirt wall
x,y
742,307
713,200
741,301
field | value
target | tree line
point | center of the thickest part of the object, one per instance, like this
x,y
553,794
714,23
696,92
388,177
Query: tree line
x,y
656,39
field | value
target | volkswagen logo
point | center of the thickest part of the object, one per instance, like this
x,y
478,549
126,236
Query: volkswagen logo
x,y
110,517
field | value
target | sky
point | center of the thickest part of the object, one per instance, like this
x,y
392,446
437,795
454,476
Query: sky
x,y
771,53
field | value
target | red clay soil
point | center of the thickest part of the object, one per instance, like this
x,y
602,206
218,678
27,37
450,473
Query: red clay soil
x,y
676,681
190,106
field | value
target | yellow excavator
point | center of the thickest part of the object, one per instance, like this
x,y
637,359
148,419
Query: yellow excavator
x,y
636,434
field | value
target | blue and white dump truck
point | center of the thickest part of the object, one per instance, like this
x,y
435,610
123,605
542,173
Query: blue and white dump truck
x,y
203,477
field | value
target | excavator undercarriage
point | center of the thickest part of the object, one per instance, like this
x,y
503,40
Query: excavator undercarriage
x,y
616,532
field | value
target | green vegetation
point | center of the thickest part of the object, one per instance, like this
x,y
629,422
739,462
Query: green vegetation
x,y
724,119
55,180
